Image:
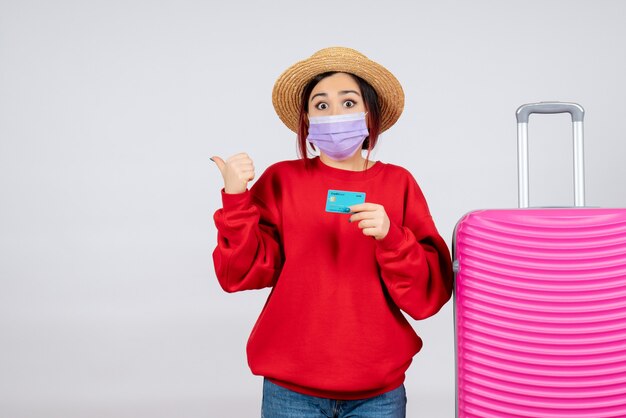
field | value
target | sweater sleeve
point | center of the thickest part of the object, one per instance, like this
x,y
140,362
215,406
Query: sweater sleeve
x,y
414,259
248,254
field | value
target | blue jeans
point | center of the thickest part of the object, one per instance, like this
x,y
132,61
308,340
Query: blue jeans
x,y
279,402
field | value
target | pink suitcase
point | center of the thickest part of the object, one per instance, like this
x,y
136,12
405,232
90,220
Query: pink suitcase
x,y
540,302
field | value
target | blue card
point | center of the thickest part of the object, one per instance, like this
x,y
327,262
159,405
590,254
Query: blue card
x,y
339,200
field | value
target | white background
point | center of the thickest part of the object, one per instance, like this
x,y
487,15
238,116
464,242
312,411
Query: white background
x,y
109,110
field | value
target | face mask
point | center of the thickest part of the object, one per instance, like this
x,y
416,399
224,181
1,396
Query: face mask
x,y
338,136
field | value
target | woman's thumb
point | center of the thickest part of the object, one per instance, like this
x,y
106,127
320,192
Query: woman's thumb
x,y
219,162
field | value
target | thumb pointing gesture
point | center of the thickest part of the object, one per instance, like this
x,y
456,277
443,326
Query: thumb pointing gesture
x,y
237,171
219,162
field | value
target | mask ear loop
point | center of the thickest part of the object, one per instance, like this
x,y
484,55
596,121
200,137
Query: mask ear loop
x,y
311,150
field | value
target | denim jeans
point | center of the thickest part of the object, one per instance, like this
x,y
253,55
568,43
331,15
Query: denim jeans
x,y
279,402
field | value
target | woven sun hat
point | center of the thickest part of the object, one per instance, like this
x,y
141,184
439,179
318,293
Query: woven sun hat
x,y
287,92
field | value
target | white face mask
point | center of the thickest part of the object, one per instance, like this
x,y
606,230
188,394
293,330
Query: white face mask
x,y
338,136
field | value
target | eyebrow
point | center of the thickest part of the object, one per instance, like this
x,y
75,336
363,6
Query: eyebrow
x,y
342,92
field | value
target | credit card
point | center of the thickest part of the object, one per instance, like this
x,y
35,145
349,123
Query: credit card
x,y
338,201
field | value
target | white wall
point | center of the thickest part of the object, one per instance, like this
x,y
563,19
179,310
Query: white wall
x,y
109,110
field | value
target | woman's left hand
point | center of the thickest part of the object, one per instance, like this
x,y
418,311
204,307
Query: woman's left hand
x,y
371,218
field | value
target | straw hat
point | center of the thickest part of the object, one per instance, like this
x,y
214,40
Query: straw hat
x,y
287,93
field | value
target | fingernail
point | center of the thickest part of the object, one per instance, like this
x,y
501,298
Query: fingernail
x,y
211,159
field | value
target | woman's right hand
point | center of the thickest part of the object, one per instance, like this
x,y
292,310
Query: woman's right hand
x,y
237,171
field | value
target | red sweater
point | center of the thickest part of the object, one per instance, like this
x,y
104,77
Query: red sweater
x,y
332,326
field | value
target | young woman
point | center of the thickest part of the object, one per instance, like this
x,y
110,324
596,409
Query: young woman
x,y
345,243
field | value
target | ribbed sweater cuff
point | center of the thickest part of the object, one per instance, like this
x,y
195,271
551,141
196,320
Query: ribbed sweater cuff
x,y
235,201
393,239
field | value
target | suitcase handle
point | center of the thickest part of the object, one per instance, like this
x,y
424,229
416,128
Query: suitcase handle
x,y
577,113
574,109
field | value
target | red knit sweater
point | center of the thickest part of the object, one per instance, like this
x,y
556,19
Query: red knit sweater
x,y
332,326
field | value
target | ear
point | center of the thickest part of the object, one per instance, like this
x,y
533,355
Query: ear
x,y
304,118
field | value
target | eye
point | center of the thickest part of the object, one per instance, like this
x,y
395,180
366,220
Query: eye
x,y
321,106
349,103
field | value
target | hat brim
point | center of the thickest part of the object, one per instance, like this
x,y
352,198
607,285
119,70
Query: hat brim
x,y
287,92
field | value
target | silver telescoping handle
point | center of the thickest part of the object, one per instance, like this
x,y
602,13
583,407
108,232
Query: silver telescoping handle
x,y
578,114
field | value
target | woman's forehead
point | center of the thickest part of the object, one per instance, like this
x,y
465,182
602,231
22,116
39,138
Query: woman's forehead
x,y
336,82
